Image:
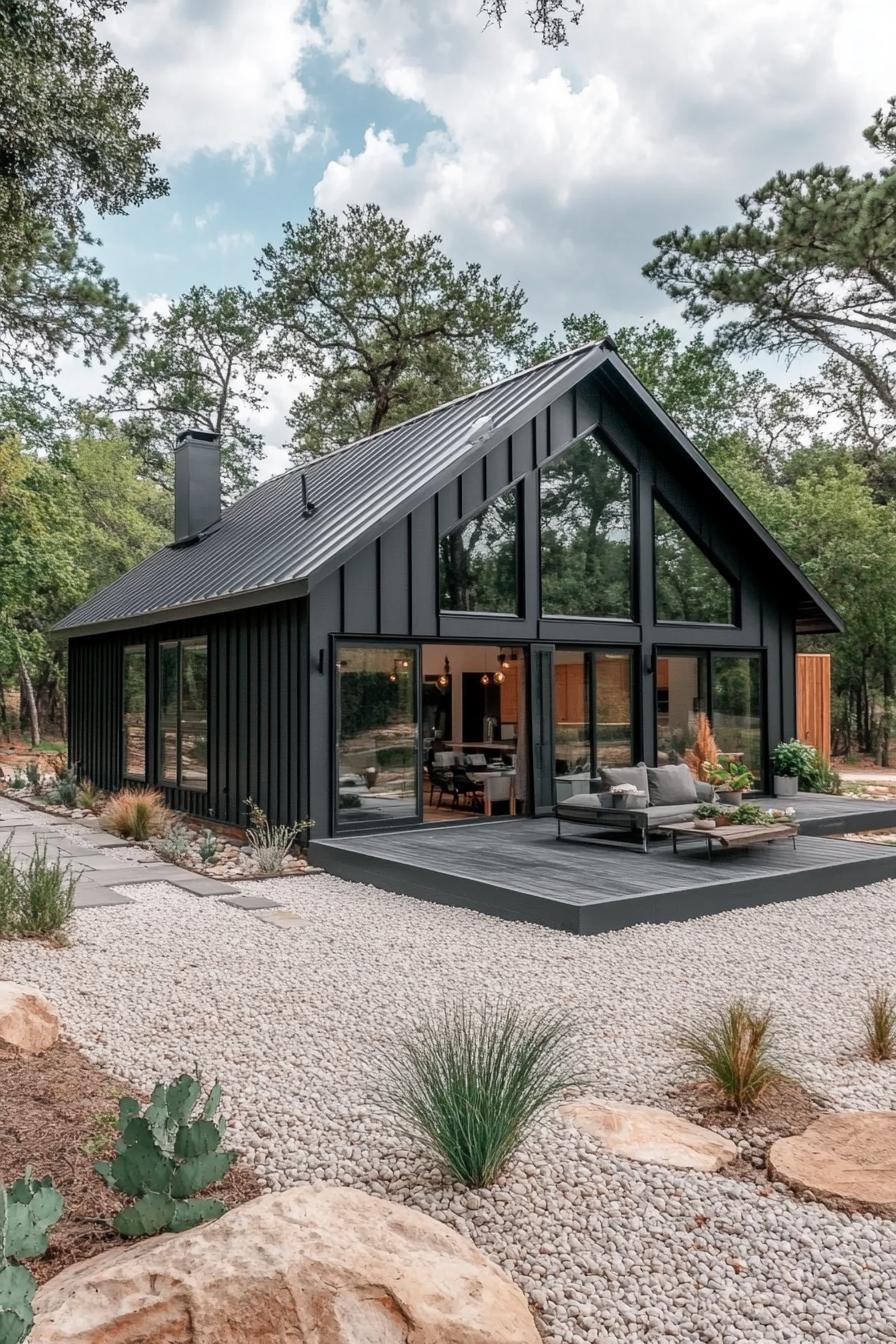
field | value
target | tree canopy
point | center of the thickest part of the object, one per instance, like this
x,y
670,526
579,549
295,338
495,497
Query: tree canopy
x,y
548,18
202,362
810,264
70,140
381,323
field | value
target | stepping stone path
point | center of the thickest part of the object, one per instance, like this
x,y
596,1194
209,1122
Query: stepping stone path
x,y
848,1155
649,1134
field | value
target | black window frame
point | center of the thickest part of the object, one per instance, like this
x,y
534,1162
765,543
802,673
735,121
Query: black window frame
x,y
139,647
592,652
177,782
516,489
710,652
718,565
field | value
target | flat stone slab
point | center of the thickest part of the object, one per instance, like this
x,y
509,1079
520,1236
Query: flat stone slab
x,y
250,903
100,862
106,841
845,1156
649,1134
283,919
138,872
206,886
88,895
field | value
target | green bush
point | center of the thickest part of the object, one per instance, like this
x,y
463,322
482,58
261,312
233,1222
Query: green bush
x,y
751,814
471,1083
64,792
28,1209
164,1156
731,1053
791,759
819,777
33,776
37,901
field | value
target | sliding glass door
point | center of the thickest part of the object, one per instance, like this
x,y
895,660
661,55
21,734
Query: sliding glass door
x,y
593,720
726,688
377,735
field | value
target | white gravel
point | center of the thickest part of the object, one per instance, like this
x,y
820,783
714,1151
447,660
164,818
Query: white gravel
x,y
292,1021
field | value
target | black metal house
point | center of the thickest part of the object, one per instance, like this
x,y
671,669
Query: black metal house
x,y
544,576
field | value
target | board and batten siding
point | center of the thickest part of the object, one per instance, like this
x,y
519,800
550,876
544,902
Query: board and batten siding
x,y
254,696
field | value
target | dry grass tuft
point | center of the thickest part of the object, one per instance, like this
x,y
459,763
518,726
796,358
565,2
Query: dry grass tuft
x,y
731,1053
880,1025
136,814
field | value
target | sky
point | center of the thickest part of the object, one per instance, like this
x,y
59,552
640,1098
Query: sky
x,y
555,169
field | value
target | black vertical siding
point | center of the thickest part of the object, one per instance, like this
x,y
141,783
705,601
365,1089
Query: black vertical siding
x,y
254,687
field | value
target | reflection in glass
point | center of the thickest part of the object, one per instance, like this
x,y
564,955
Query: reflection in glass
x,y
586,534
168,702
688,585
377,734
613,702
592,716
135,711
737,707
194,714
680,697
478,561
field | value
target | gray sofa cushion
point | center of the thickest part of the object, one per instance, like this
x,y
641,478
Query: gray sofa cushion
x,y
705,792
668,784
624,774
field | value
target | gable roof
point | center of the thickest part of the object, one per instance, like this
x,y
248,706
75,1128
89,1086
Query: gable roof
x,y
266,549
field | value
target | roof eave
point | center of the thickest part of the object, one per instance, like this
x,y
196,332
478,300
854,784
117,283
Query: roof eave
x,y
249,597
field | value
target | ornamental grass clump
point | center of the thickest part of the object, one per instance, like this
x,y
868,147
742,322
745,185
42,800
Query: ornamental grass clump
x,y
37,900
880,1025
136,814
472,1082
731,1053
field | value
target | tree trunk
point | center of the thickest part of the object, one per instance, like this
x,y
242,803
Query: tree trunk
x,y
30,702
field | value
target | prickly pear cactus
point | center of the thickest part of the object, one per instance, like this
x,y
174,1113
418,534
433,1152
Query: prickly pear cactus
x,y
28,1209
164,1156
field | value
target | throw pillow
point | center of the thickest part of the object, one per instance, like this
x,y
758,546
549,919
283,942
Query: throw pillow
x,y
624,774
671,784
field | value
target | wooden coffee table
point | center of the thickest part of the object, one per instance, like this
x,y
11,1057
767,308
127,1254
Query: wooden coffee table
x,y
730,837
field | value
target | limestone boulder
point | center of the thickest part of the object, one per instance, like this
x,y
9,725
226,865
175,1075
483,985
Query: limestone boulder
x,y
649,1134
322,1264
846,1156
28,1021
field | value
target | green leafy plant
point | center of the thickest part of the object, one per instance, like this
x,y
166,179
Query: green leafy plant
x,y
472,1081
175,843
165,1155
33,777
136,814
731,1053
9,893
269,844
208,846
28,1209
819,777
727,774
64,791
37,901
790,759
18,781
880,1025
751,814
706,811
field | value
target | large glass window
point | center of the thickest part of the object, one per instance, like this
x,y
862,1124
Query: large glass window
x,y
586,533
688,585
183,713
726,688
737,707
592,716
134,734
478,561
378,734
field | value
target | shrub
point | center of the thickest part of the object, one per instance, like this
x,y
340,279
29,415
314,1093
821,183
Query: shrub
x,y
707,810
175,843
9,893
819,777
472,1082
728,774
208,846
64,791
28,1209
37,901
791,758
33,777
751,814
270,845
136,814
880,1025
164,1156
89,796
732,1054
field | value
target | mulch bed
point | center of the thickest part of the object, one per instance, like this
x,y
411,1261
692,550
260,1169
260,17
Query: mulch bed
x,y
784,1108
58,1114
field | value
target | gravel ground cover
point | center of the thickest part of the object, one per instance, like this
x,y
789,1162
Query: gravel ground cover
x,y
293,1020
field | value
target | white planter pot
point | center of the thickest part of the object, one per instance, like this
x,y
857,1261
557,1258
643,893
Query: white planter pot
x,y
786,786
704,823
729,796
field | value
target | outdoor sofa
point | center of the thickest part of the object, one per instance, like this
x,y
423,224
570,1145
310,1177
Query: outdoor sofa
x,y
666,793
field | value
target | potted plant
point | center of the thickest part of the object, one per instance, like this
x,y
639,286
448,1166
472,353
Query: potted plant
x,y
789,761
729,778
706,816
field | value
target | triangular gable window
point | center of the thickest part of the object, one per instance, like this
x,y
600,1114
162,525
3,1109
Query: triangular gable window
x,y
478,565
689,587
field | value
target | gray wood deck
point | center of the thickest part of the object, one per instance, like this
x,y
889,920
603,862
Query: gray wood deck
x,y
517,869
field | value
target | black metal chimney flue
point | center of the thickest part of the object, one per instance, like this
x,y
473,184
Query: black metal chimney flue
x,y
197,483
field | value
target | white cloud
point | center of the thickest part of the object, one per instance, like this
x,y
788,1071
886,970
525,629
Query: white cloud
x,y
224,243
221,76
559,168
